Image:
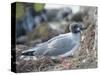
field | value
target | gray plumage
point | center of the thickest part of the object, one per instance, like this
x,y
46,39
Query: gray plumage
x,y
59,46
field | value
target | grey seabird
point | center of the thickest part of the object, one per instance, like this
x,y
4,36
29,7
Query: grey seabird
x,y
60,46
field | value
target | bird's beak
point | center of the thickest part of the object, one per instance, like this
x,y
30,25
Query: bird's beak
x,y
83,28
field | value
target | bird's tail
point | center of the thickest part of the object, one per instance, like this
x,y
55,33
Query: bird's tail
x,y
38,50
29,52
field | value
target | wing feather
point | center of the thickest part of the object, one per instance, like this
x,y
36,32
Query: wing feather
x,y
60,46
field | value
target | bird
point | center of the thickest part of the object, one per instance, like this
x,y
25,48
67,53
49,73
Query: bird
x,y
59,46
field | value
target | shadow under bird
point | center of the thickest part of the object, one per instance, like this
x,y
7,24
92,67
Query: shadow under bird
x,y
60,46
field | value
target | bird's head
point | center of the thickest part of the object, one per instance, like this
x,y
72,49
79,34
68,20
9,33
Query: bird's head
x,y
77,27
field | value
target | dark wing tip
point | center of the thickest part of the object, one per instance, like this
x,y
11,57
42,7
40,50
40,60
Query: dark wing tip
x,y
29,53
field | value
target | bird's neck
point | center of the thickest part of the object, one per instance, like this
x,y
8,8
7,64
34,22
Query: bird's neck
x,y
76,36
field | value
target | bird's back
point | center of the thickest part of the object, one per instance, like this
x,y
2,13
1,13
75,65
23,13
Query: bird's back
x,y
60,45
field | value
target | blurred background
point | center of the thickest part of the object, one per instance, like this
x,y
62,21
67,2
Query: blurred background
x,y
43,21
38,22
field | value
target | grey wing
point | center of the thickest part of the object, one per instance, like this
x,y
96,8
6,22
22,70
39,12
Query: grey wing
x,y
60,46
41,48
36,51
57,37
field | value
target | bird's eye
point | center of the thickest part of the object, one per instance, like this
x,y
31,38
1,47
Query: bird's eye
x,y
76,26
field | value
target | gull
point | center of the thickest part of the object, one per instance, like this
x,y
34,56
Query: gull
x,y
60,46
